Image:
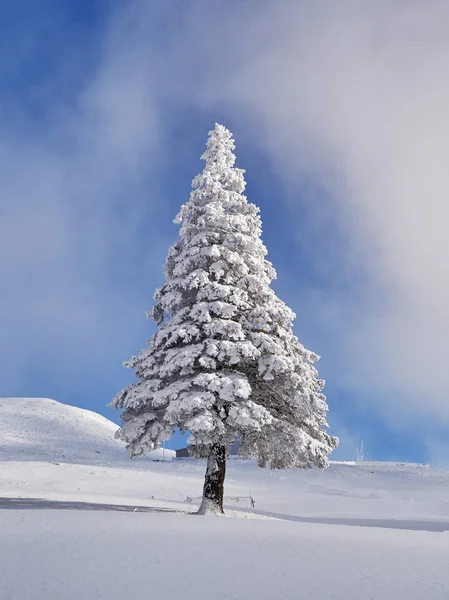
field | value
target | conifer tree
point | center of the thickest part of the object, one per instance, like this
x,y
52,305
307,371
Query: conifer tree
x,y
224,363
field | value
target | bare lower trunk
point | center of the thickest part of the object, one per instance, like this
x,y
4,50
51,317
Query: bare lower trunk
x,y
213,490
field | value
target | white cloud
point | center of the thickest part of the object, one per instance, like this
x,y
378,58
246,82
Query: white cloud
x,y
355,95
71,200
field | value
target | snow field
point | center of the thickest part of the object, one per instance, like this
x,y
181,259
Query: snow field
x,y
363,531
49,555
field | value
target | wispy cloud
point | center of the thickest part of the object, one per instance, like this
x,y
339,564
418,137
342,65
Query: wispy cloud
x,y
71,202
354,95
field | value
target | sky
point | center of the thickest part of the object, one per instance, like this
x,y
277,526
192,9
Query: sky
x,y
340,113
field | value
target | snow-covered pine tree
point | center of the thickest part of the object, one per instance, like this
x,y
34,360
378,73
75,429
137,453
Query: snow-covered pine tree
x,y
224,363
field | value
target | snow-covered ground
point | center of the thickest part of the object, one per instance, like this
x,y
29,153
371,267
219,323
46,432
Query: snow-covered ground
x,y
42,429
78,519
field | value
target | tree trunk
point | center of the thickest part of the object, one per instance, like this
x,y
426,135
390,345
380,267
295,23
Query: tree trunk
x,y
213,490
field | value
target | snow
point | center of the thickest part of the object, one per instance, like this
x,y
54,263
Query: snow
x,y
73,525
41,428
49,555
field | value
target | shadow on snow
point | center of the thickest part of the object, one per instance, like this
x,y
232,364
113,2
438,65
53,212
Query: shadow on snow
x,y
406,524
40,503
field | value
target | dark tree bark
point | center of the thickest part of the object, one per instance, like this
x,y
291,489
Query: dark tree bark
x,y
213,490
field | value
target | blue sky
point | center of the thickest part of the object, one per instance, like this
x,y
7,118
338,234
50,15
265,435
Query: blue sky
x,y
340,119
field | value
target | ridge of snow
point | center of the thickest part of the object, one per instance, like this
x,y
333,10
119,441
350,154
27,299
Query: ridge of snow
x,y
42,428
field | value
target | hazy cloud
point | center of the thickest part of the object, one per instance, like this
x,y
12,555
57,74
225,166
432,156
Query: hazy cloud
x,y
355,95
70,205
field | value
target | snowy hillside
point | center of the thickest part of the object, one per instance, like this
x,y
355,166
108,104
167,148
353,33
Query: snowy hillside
x,y
69,498
40,428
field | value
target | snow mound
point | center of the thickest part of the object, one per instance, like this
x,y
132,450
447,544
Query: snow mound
x,y
41,428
